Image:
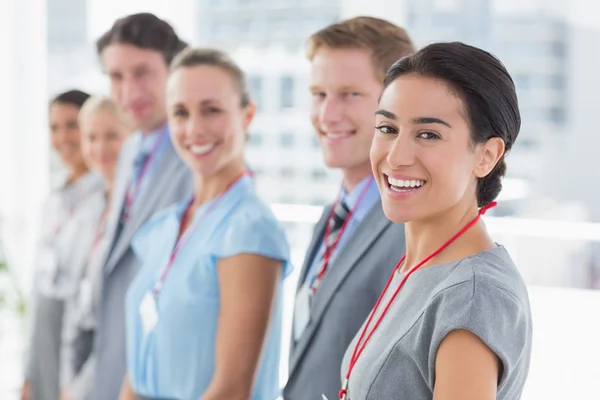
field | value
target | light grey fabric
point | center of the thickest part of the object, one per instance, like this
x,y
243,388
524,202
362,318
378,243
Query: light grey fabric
x,y
81,386
483,293
66,233
79,324
346,295
43,371
171,181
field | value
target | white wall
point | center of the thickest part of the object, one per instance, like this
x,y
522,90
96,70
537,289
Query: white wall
x,y
24,158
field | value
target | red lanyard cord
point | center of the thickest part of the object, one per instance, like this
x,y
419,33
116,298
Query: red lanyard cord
x,y
360,345
329,249
184,236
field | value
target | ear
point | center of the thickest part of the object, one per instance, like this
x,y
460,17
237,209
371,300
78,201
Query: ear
x,y
248,115
489,154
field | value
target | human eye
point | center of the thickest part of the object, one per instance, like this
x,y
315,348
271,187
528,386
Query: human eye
x,y
427,135
212,110
180,113
386,129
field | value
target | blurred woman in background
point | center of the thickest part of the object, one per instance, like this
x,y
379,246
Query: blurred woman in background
x,y
103,130
65,238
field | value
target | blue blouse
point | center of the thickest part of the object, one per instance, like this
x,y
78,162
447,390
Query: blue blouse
x,y
176,359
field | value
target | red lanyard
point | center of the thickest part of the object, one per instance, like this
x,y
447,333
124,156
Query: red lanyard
x,y
188,233
134,188
358,348
330,249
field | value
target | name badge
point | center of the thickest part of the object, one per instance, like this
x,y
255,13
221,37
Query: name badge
x,y
85,297
48,262
148,313
302,311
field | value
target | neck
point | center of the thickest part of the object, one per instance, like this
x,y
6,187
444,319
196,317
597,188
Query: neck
x,y
148,131
424,237
207,188
77,172
354,176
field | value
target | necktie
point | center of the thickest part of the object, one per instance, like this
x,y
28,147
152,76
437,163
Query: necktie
x,y
138,164
340,213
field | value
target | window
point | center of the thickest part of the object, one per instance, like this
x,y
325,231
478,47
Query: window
x,y
287,199
255,139
286,140
319,201
287,92
558,49
557,115
315,142
255,86
318,174
287,172
557,82
257,172
522,81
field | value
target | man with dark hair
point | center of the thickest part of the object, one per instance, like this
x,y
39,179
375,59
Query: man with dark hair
x,y
135,54
354,246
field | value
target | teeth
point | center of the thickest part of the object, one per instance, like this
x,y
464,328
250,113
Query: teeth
x,y
200,150
405,183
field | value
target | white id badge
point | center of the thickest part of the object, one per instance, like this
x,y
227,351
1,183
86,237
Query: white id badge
x,y
149,313
302,311
85,296
48,263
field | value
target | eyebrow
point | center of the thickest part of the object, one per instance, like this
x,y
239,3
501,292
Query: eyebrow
x,y
415,121
203,102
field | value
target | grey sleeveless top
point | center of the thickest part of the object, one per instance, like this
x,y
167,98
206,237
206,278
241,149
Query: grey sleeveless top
x,y
483,294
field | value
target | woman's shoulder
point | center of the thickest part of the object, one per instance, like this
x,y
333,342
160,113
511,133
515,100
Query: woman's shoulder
x,y
490,273
253,210
251,227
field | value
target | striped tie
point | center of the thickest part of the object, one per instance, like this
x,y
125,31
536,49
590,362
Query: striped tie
x,y
340,213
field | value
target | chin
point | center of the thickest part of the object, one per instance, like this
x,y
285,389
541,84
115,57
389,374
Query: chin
x,y
336,162
397,214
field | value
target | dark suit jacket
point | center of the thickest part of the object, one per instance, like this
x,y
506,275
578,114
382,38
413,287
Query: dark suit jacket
x,y
342,303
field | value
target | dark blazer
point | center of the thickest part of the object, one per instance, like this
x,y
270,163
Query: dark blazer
x,y
342,303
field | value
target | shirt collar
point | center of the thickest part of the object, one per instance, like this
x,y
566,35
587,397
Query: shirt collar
x,y
148,141
370,197
350,198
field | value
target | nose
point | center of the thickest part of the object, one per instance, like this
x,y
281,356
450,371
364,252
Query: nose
x,y
104,147
402,152
331,112
195,126
130,90
59,136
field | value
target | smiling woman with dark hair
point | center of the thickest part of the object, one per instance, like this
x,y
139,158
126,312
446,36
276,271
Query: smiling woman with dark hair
x,y
454,320
66,233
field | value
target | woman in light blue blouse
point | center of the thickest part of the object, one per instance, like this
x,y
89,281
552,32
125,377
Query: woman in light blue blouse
x,y
204,312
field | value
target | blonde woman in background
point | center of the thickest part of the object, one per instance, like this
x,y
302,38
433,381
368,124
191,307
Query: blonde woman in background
x,y
103,131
